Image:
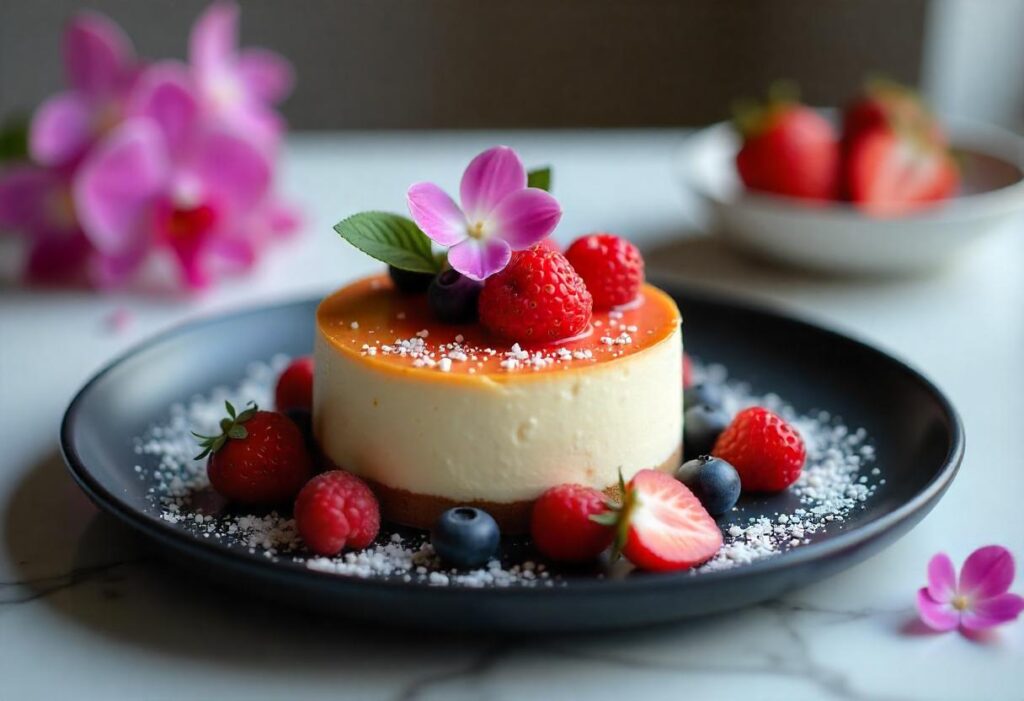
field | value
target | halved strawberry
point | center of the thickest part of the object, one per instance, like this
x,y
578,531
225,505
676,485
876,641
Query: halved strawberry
x,y
662,526
891,172
885,103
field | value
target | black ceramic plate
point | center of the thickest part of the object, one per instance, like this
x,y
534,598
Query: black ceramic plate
x,y
916,433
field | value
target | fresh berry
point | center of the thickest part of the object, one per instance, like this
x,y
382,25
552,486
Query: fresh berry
x,y
702,425
788,149
562,527
662,525
890,172
409,282
885,104
712,480
538,298
336,510
705,393
465,537
295,386
453,297
687,371
260,458
611,266
766,451
549,244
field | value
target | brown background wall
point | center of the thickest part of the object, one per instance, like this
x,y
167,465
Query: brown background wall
x,y
469,63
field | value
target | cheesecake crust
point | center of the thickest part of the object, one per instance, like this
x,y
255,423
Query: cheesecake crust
x,y
422,510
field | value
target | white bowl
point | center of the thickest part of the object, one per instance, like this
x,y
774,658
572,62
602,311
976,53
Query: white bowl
x,y
838,238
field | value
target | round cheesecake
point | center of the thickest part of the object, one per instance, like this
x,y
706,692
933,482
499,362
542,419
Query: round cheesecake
x,y
435,415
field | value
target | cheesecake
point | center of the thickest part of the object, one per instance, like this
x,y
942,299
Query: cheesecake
x,y
433,415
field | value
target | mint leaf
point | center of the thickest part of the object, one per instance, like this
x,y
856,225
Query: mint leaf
x,y
540,178
391,239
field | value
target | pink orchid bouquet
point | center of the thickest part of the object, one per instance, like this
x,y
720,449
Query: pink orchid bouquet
x,y
140,162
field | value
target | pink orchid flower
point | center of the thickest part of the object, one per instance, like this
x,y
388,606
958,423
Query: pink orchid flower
x,y
980,599
164,179
36,202
499,214
100,65
237,87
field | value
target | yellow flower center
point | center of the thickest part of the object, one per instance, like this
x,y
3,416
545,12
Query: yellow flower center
x,y
476,231
960,602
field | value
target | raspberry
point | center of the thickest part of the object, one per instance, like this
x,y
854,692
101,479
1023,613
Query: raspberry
x,y
295,386
538,298
561,526
611,267
336,510
765,450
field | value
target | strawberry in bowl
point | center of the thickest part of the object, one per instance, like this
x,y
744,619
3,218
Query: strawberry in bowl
x,y
907,193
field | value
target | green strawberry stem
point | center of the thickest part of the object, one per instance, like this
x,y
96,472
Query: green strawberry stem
x,y
618,516
231,427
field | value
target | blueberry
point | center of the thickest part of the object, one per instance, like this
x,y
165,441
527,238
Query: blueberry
x,y
465,537
408,282
701,426
704,393
712,480
453,297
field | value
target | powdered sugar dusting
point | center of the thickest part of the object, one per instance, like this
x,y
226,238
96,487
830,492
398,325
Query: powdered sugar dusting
x,y
838,480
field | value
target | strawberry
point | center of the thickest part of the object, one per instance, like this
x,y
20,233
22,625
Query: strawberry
x,y
336,510
294,388
766,451
891,172
538,298
611,266
662,526
887,104
259,458
788,149
562,527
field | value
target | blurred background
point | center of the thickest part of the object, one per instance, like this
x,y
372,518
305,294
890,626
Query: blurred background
x,y
401,64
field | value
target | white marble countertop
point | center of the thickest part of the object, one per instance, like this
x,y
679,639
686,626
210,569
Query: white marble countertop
x,y
86,611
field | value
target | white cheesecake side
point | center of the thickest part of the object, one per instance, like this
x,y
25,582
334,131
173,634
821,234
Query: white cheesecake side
x,y
482,439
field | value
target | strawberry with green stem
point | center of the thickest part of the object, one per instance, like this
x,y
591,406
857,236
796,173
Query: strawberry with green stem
x,y
258,458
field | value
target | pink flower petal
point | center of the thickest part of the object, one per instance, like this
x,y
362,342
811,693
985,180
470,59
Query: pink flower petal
x,y
436,213
941,578
256,123
214,36
987,572
987,613
164,94
116,183
267,76
490,178
479,259
24,195
61,129
936,615
233,171
108,272
524,217
98,56
282,219
57,257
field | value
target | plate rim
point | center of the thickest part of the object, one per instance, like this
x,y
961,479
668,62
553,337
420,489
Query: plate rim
x,y
853,538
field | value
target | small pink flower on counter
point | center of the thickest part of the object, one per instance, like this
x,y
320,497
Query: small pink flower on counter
x,y
978,600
